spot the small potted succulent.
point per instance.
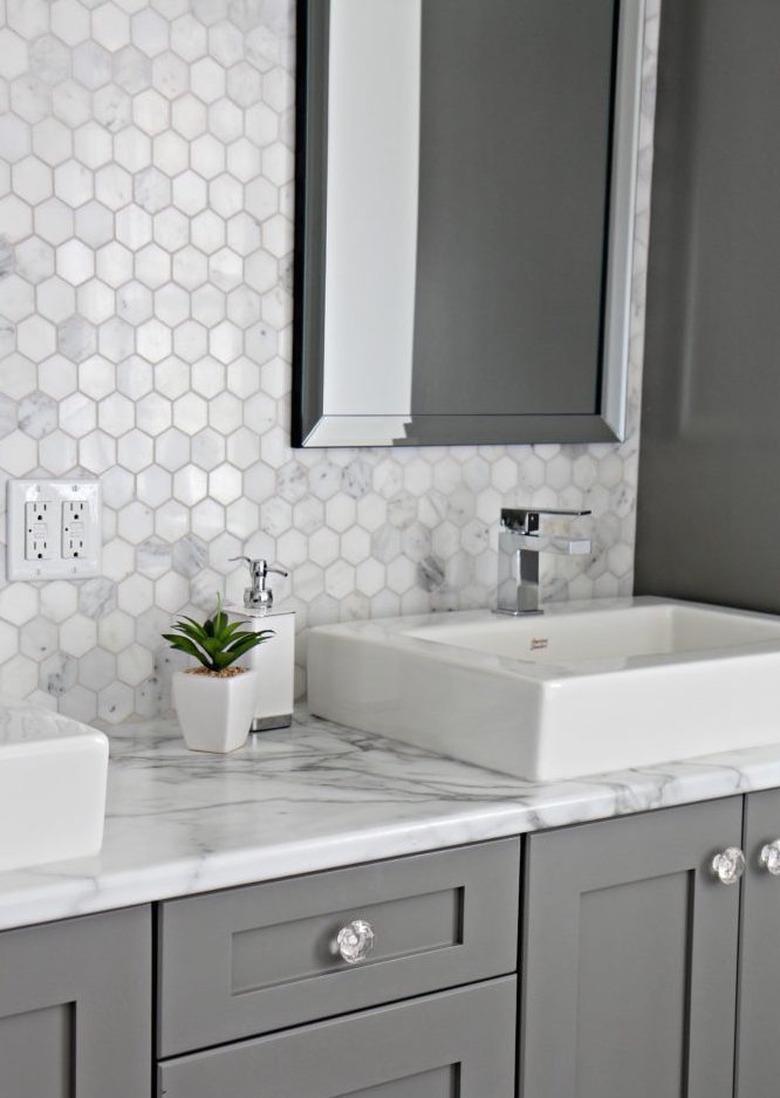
(216, 701)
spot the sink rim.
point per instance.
(399, 632)
(545, 723)
(31, 727)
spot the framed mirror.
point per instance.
(465, 192)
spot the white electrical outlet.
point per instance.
(74, 529)
(41, 530)
(52, 529)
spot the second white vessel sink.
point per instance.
(582, 689)
(53, 774)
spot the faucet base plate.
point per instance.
(519, 613)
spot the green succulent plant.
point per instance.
(217, 642)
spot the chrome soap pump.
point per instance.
(274, 661)
(259, 596)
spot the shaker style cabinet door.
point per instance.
(758, 1031)
(75, 1008)
(631, 943)
(457, 1044)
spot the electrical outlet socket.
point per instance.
(52, 529)
(41, 530)
(75, 517)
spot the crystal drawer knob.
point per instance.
(729, 865)
(355, 941)
(769, 858)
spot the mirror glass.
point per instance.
(464, 216)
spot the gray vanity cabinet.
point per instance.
(758, 1031)
(75, 1008)
(639, 964)
(630, 958)
(457, 1044)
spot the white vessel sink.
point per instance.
(52, 786)
(582, 689)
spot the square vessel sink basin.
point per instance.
(582, 689)
(53, 774)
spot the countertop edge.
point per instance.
(439, 802)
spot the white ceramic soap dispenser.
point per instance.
(274, 661)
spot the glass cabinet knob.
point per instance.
(729, 865)
(769, 858)
(355, 941)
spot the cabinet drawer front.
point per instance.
(251, 960)
(458, 1044)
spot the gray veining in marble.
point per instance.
(7, 257)
(317, 797)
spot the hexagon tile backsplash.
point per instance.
(146, 199)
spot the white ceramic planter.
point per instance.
(215, 713)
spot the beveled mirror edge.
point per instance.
(311, 136)
(309, 427)
(622, 221)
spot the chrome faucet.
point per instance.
(519, 546)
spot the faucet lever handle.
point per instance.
(526, 520)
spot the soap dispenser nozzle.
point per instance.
(259, 596)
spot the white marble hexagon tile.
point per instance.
(146, 195)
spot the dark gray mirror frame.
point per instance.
(313, 18)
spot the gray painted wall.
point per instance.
(709, 491)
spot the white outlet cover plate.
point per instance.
(20, 492)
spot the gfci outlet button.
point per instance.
(53, 529)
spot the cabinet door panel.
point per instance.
(631, 958)
(75, 1008)
(36, 1052)
(759, 994)
(457, 1044)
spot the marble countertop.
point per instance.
(315, 797)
